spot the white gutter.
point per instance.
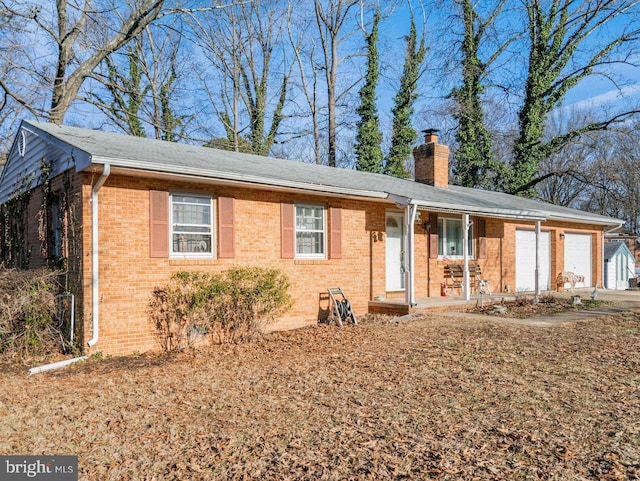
(95, 292)
(56, 365)
(462, 209)
(584, 219)
(123, 165)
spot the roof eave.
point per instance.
(81, 157)
(129, 167)
(585, 219)
(467, 209)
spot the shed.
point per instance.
(619, 265)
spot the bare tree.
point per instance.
(245, 45)
(140, 84)
(565, 174)
(11, 28)
(629, 152)
(603, 187)
(79, 36)
(567, 171)
(331, 17)
(615, 179)
(304, 47)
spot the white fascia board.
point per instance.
(12, 156)
(157, 170)
(466, 209)
(586, 219)
(82, 158)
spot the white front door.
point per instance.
(577, 256)
(526, 260)
(395, 251)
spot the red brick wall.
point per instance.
(431, 162)
(499, 265)
(128, 274)
(67, 188)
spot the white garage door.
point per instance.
(526, 260)
(577, 256)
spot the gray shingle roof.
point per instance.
(611, 248)
(182, 159)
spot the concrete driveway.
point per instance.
(621, 301)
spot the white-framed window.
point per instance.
(310, 231)
(191, 225)
(450, 238)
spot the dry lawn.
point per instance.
(427, 399)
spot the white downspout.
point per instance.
(537, 273)
(56, 365)
(465, 252)
(95, 292)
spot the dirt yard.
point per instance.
(433, 398)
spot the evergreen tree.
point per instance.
(369, 138)
(403, 135)
(475, 165)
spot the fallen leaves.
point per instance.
(431, 399)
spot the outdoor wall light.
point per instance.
(562, 235)
(426, 226)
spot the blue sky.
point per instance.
(590, 92)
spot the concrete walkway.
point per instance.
(620, 301)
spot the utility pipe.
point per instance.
(412, 257)
(95, 292)
(56, 365)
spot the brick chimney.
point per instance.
(431, 161)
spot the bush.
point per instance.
(177, 310)
(234, 306)
(28, 323)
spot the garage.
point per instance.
(577, 256)
(526, 260)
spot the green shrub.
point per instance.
(234, 306)
(179, 307)
(28, 307)
(252, 297)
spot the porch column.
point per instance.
(465, 251)
(538, 223)
(410, 217)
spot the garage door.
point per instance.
(577, 256)
(526, 260)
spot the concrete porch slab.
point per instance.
(627, 299)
